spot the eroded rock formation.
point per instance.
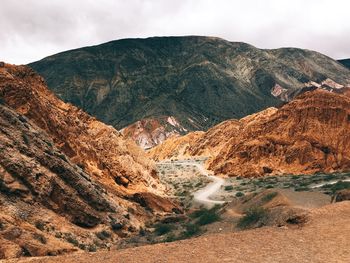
(308, 135)
(67, 181)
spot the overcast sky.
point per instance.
(33, 29)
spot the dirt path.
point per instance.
(331, 182)
(202, 196)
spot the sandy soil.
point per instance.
(325, 238)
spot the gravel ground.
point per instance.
(325, 238)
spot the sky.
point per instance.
(33, 29)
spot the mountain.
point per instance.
(345, 62)
(198, 81)
(307, 135)
(67, 181)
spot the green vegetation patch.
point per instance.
(162, 229)
(228, 188)
(206, 216)
(252, 217)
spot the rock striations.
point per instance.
(67, 181)
(307, 135)
(148, 133)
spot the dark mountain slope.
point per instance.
(345, 62)
(198, 80)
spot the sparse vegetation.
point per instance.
(340, 185)
(162, 229)
(92, 248)
(72, 240)
(40, 225)
(25, 139)
(252, 217)
(206, 216)
(239, 194)
(103, 235)
(228, 188)
(268, 197)
(191, 230)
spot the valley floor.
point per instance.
(324, 238)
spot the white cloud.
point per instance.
(32, 29)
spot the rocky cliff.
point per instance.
(200, 81)
(308, 135)
(67, 181)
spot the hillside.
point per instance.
(199, 81)
(65, 177)
(324, 238)
(307, 135)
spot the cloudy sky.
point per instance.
(33, 29)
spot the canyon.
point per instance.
(212, 149)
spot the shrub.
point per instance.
(92, 248)
(82, 246)
(329, 177)
(40, 225)
(252, 217)
(73, 241)
(206, 216)
(191, 230)
(340, 185)
(268, 197)
(103, 235)
(303, 188)
(171, 237)
(162, 229)
(25, 139)
(116, 226)
(228, 187)
(239, 194)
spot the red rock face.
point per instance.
(307, 135)
(64, 176)
(98, 148)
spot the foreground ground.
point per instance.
(324, 238)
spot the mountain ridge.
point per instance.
(200, 81)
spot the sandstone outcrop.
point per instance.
(67, 181)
